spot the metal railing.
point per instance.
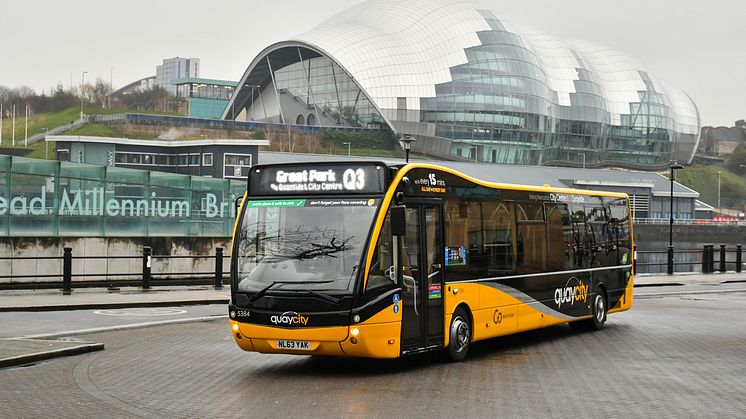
(146, 279)
(690, 260)
(222, 124)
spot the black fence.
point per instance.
(145, 279)
(708, 259)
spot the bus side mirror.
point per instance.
(398, 220)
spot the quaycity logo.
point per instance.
(289, 318)
(571, 293)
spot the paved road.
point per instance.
(18, 324)
(674, 356)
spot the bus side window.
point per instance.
(464, 230)
(619, 212)
(532, 240)
(579, 245)
(500, 254)
(559, 238)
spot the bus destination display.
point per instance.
(318, 179)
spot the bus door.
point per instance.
(422, 275)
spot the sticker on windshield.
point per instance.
(340, 202)
(276, 203)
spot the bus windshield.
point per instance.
(302, 244)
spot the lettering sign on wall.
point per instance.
(97, 202)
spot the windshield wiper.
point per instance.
(264, 290)
(321, 295)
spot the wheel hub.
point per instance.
(600, 309)
(460, 334)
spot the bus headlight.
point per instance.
(355, 331)
(235, 327)
(233, 314)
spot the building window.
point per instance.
(133, 158)
(194, 159)
(236, 165)
(207, 159)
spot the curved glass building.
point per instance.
(468, 85)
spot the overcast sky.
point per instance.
(698, 46)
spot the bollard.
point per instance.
(67, 271)
(670, 260)
(218, 268)
(738, 258)
(710, 258)
(704, 259)
(147, 254)
(722, 258)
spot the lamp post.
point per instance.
(406, 143)
(719, 172)
(674, 166)
(46, 144)
(348, 148)
(111, 87)
(82, 83)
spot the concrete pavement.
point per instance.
(24, 351)
(93, 298)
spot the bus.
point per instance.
(370, 259)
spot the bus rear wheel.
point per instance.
(460, 336)
(598, 313)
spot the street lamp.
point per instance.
(719, 172)
(406, 143)
(82, 82)
(674, 166)
(348, 148)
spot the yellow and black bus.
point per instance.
(383, 260)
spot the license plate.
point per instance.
(302, 345)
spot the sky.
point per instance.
(694, 45)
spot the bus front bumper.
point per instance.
(362, 340)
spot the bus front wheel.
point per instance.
(460, 335)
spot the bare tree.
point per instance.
(100, 91)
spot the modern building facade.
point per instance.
(175, 68)
(469, 85)
(204, 98)
(226, 159)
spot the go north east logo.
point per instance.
(570, 294)
(289, 318)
